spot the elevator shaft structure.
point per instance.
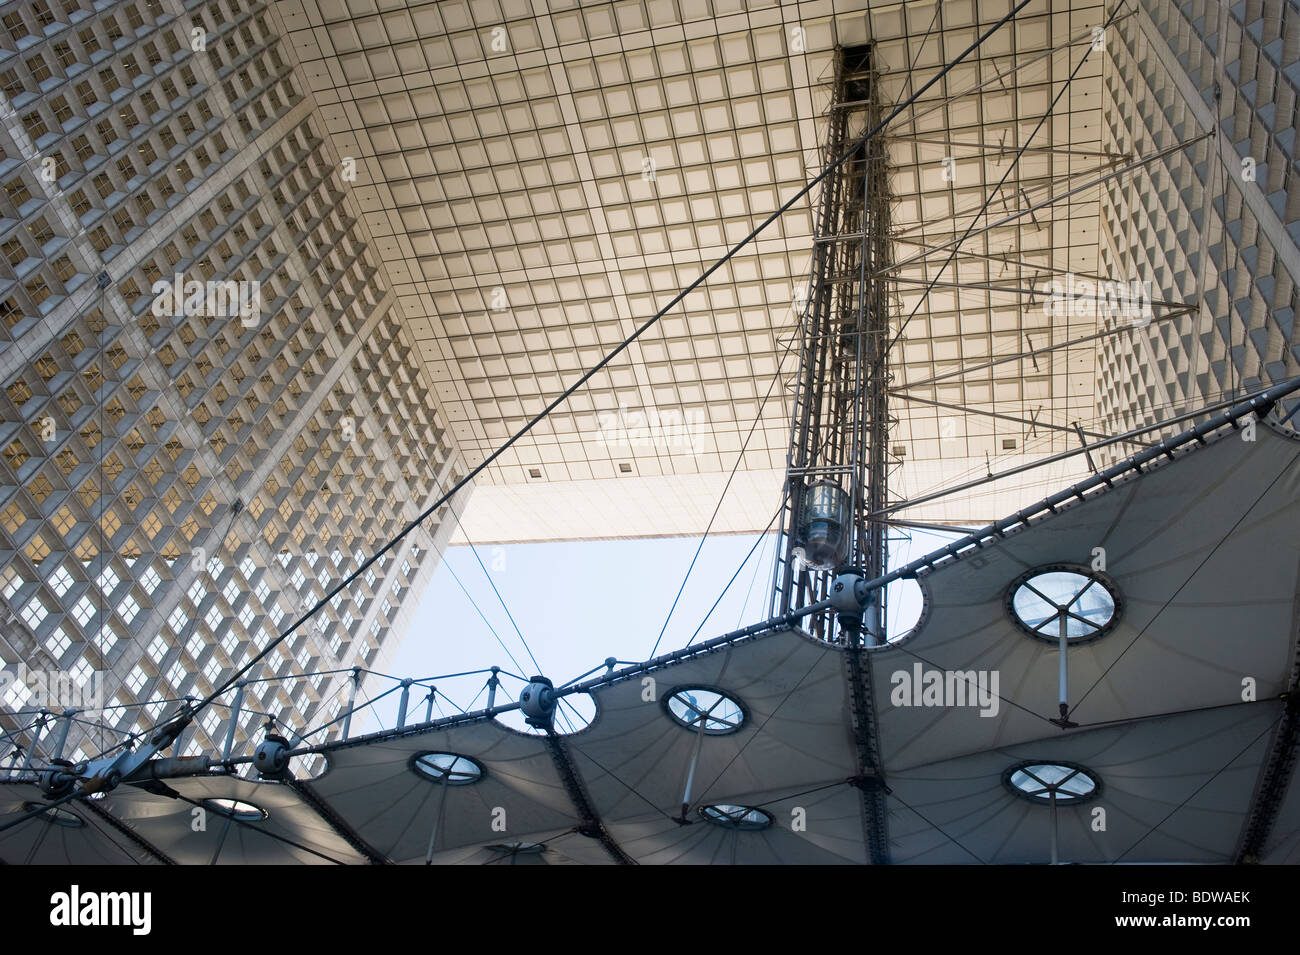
(837, 466)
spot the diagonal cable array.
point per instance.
(609, 357)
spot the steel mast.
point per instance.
(837, 466)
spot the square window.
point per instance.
(57, 643)
(84, 611)
(176, 675)
(34, 612)
(17, 695)
(82, 671)
(150, 581)
(105, 641)
(60, 581)
(136, 679)
(128, 608)
(210, 722)
(13, 581)
(108, 581)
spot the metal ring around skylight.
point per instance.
(743, 818)
(450, 768)
(235, 809)
(1084, 602)
(1038, 780)
(717, 711)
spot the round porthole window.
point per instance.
(236, 809)
(736, 817)
(1037, 782)
(450, 768)
(699, 707)
(1053, 601)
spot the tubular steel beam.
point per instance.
(131, 834)
(336, 822)
(591, 826)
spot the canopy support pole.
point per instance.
(695, 758)
(1055, 850)
(1063, 671)
(64, 727)
(236, 710)
(437, 820)
(401, 706)
(36, 738)
(352, 702)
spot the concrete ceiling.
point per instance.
(540, 177)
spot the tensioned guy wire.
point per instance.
(595, 369)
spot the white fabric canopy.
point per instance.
(1204, 553)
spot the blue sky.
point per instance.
(577, 603)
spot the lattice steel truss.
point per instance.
(840, 423)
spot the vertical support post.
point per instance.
(1062, 668)
(437, 821)
(184, 736)
(428, 711)
(1055, 855)
(236, 710)
(695, 758)
(401, 706)
(493, 683)
(839, 425)
(64, 728)
(13, 759)
(352, 702)
(41, 723)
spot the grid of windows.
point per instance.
(142, 434)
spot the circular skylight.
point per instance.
(693, 706)
(519, 848)
(453, 769)
(236, 809)
(1038, 781)
(736, 817)
(1052, 601)
(56, 816)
